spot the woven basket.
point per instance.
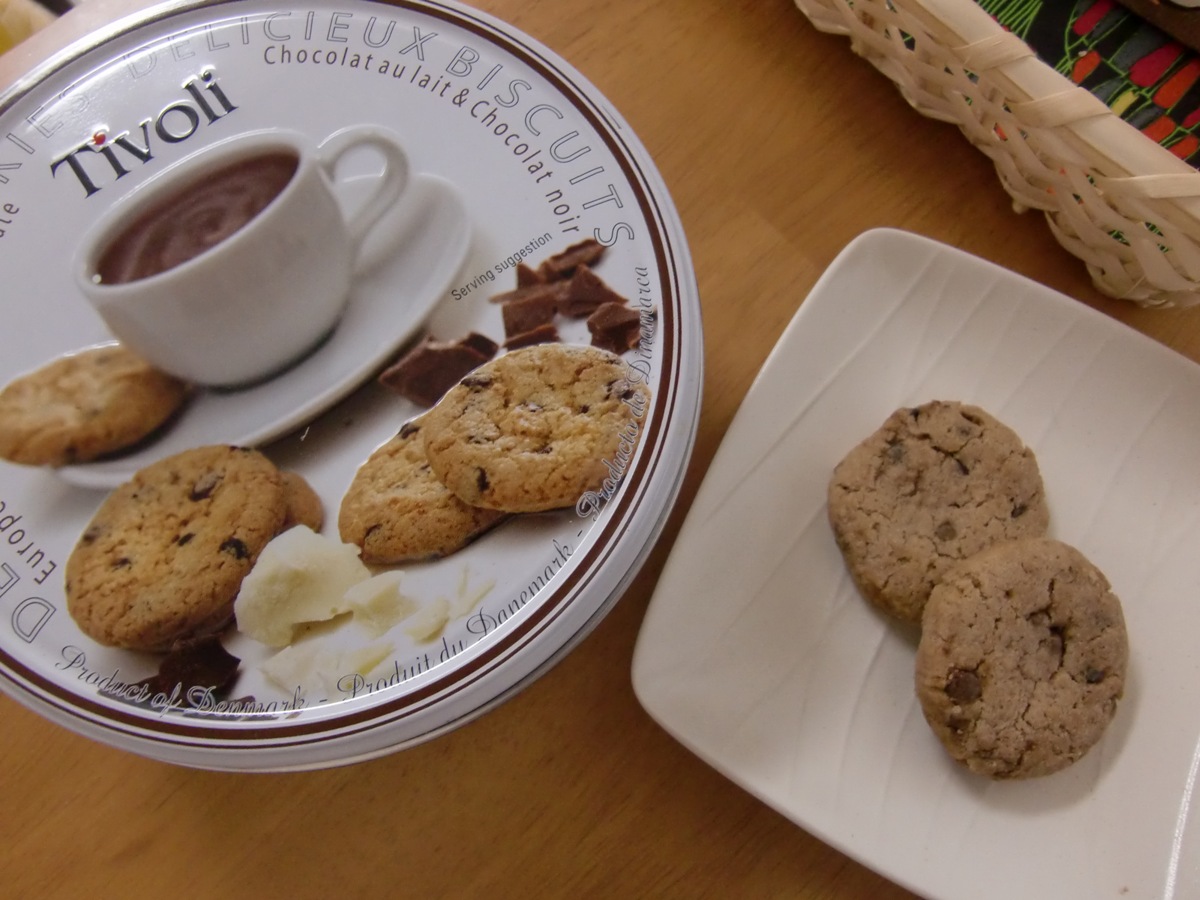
(1126, 206)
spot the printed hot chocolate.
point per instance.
(236, 262)
(196, 218)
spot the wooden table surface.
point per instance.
(779, 146)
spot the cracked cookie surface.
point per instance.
(932, 486)
(536, 428)
(396, 510)
(84, 405)
(164, 556)
(1022, 659)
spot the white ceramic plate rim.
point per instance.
(765, 662)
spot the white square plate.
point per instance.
(758, 654)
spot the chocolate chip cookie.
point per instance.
(85, 405)
(163, 557)
(304, 506)
(1022, 658)
(537, 428)
(932, 486)
(396, 510)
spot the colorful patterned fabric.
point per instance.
(1145, 76)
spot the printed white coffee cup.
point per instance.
(267, 294)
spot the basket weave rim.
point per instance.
(962, 26)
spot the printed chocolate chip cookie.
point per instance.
(536, 428)
(304, 506)
(397, 510)
(932, 486)
(85, 405)
(163, 557)
(1022, 658)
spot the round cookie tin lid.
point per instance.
(513, 158)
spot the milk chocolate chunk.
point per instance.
(563, 265)
(615, 327)
(542, 334)
(963, 686)
(205, 485)
(200, 663)
(527, 275)
(528, 313)
(587, 293)
(557, 290)
(481, 343)
(432, 367)
(478, 382)
(236, 548)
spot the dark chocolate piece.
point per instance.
(527, 276)
(432, 367)
(529, 313)
(200, 663)
(615, 327)
(481, 343)
(543, 334)
(557, 290)
(563, 265)
(587, 293)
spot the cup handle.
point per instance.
(392, 181)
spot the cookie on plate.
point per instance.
(85, 405)
(164, 556)
(932, 486)
(396, 510)
(537, 428)
(1022, 658)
